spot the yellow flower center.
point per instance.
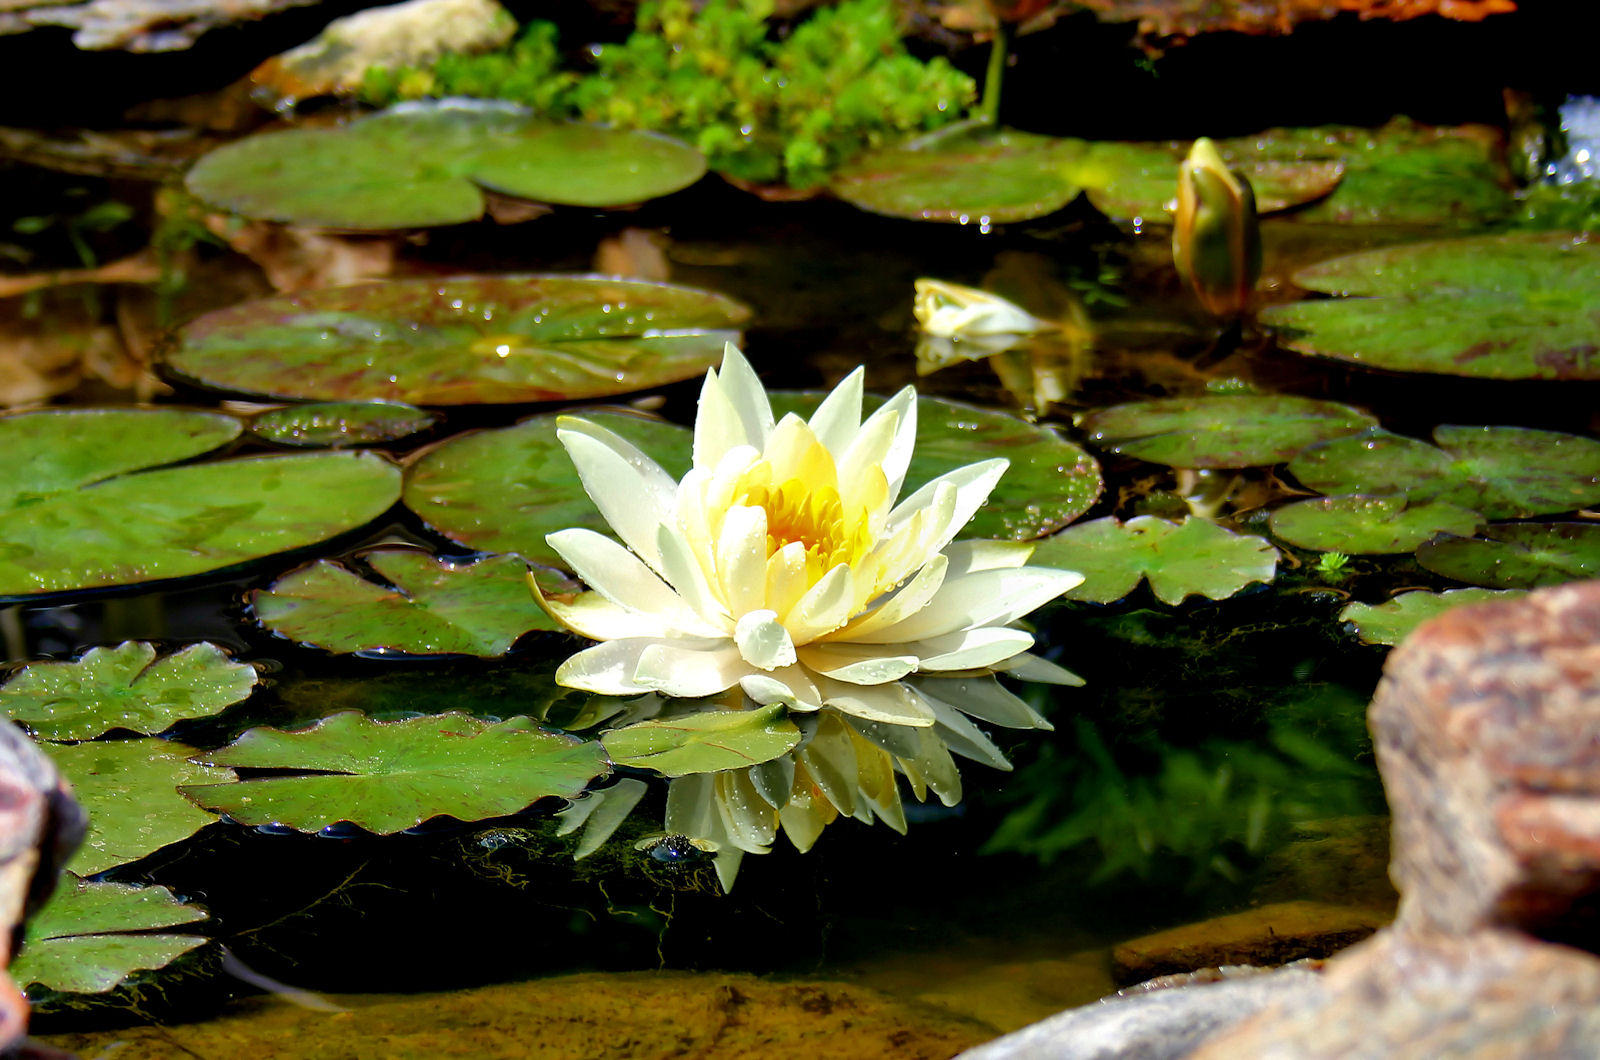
(811, 515)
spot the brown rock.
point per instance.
(1273, 934)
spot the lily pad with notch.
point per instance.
(337, 424)
(421, 606)
(467, 340)
(130, 790)
(420, 165)
(1220, 431)
(176, 522)
(1517, 555)
(1515, 306)
(1393, 620)
(1501, 472)
(125, 687)
(91, 936)
(386, 776)
(1369, 525)
(703, 741)
(1194, 557)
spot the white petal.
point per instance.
(690, 810)
(742, 558)
(972, 649)
(592, 615)
(984, 598)
(858, 664)
(750, 822)
(717, 426)
(866, 454)
(620, 577)
(968, 556)
(982, 697)
(683, 572)
(804, 819)
(743, 387)
(904, 405)
(830, 759)
(606, 668)
(689, 668)
(763, 642)
(838, 418)
(633, 493)
(824, 608)
(1028, 667)
(910, 598)
(973, 484)
(893, 703)
(790, 686)
(786, 577)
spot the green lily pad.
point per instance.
(336, 424)
(91, 936)
(130, 790)
(1517, 555)
(62, 450)
(1217, 431)
(978, 176)
(1050, 481)
(1129, 181)
(469, 340)
(180, 521)
(386, 776)
(705, 742)
(1502, 472)
(1516, 306)
(1180, 559)
(504, 490)
(1369, 526)
(412, 167)
(125, 687)
(428, 606)
(1392, 621)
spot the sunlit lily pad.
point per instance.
(1367, 525)
(130, 789)
(504, 490)
(180, 521)
(91, 936)
(428, 606)
(386, 776)
(1392, 621)
(469, 340)
(1516, 306)
(336, 424)
(973, 176)
(125, 687)
(1129, 180)
(1050, 481)
(1517, 555)
(1220, 430)
(417, 166)
(1501, 472)
(1180, 559)
(705, 742)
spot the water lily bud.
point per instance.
(1216, 238)
(951, 311)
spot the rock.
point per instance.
(40, 827)
(414, 33)
(136, 25)
(1271, 935)
(1158, 1024)
(633, 1014)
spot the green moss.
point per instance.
(1571, 207)
(762, 110)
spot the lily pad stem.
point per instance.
(989, 109)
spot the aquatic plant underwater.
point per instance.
(806, 600)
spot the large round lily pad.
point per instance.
(424, 606)
(91, 936)
(130, 789)
(1219, 431)
(386, 776)
(469, 340)
(1516, 306)
(336, 424)
(703, 742)
(180, 521)
(1393, 620)
(504, 490)
(1367, 525)
(125, 687)
(411, 167)
(1050, 482)
(1517, 555)
(1179, 559)
(1501, 472)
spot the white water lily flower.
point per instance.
(784, 564)
(951, 311)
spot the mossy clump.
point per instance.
(763, 109)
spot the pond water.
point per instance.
(1214, 762)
